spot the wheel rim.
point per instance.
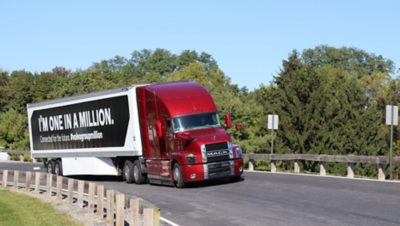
(177, 175)
(49, 168)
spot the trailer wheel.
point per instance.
(178, 179)
(128, 172)
(137, 173)
(58, 168)
(50, 166)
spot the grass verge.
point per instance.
(17, 209)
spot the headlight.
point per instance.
(191, 159)
(204, 153)
(230, 148)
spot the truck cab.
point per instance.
(182, 136)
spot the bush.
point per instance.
(27, 158)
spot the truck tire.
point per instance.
(177, 174)
(58, 168)
(128, 172)
(50, 167)
(137, 173)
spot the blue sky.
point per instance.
(249, 39)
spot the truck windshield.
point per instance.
(197, 121)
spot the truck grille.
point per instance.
(217, 152)
(219, 169)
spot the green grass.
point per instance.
(17, 209)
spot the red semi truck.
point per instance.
(167, 133)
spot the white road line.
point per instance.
(168, 221)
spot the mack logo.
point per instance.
(217, 153)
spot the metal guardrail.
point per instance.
(380, 161)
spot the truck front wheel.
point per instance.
(178, 179)
(128, 172)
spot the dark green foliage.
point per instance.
(357, 61)
(4, 90)
(14, 130)
(323, 108)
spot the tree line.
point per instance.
(329, 100)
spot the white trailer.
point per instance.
(88, 134)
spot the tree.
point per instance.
(21, 90)
(4, 90)
(356, 61)
(14, 130)
(324, 110)
(160, 61)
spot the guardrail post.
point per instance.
(59, 188)
(21, 158)
(49, 184)
(135, 207)
(5, 178)
(16, 179)
(92, 187)
(296, 167)
(350, 170)
(251, 165)
(273, 166)
(70, 191)
(151, 217)
(28, 178)
(81, 188)
(37, 182)
(100, 198)
(322, 171)
(110, 207)
(381, 172)
(120, 209)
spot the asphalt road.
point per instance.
(268, 199)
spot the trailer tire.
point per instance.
(50, 167)
(58, 168)
(178, 178)
(128, 172)
(138, 173)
